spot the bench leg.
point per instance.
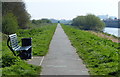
(26, 54)
(23, 55)
(29, 53)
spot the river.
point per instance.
(113, 31)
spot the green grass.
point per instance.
(41, 38)
(21, 68)
(13, 65)
(100, 55)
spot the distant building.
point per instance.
(104, 17)
(112, 23)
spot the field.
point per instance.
(99, 55)
(41, 37)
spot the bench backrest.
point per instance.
(13, 41)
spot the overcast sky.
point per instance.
(69, 9)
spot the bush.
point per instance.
(89, 22)
(94, 23)
(9, 24)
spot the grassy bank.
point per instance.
(100, 55)
(12, 65)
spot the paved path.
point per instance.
(62, 58)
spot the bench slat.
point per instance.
(14, 41)
(14, 44)
(23, 48)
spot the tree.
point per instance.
(94, 23)
(9, 24)
(88, 22)
(79, 21)
(19, 10)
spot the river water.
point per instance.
(113, 31)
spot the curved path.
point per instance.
(62, 58)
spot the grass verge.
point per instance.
(100, 55)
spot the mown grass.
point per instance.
(13, 65)
(100, 55)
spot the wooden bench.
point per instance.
(12, 43)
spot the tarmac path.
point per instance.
(62, 58)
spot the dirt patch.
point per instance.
(105, 36)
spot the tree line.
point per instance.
(41, 21)
(88, 22)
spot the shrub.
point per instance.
(88, 22)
